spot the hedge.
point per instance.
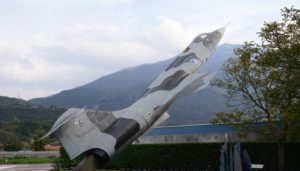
(167, 156)
(196, 156)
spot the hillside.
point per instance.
(20, 119)
(118, 90)
(12, 109)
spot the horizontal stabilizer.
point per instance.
(64, 118)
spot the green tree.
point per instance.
(39, 145)
(12, 143)
(262, 81)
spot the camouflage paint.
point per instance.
(104, 133)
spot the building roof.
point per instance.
(50, 147)
(191, 129)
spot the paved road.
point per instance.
(26, 167)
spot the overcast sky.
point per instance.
(47, 46)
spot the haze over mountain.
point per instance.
(118, 90)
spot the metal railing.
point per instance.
(9, 154)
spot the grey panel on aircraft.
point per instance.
(169, 83)
(102, 120)
(182, 59)
(123, 129)
(186, 90)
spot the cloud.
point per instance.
(50, 45)
(85, 52)
(111, 47)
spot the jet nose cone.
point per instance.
(211, 40)
(222, 29)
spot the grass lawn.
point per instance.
(27, 160)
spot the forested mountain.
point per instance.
(118, 90)
(20, 119)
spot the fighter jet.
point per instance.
(100, 134)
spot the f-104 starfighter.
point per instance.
(100, 134)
